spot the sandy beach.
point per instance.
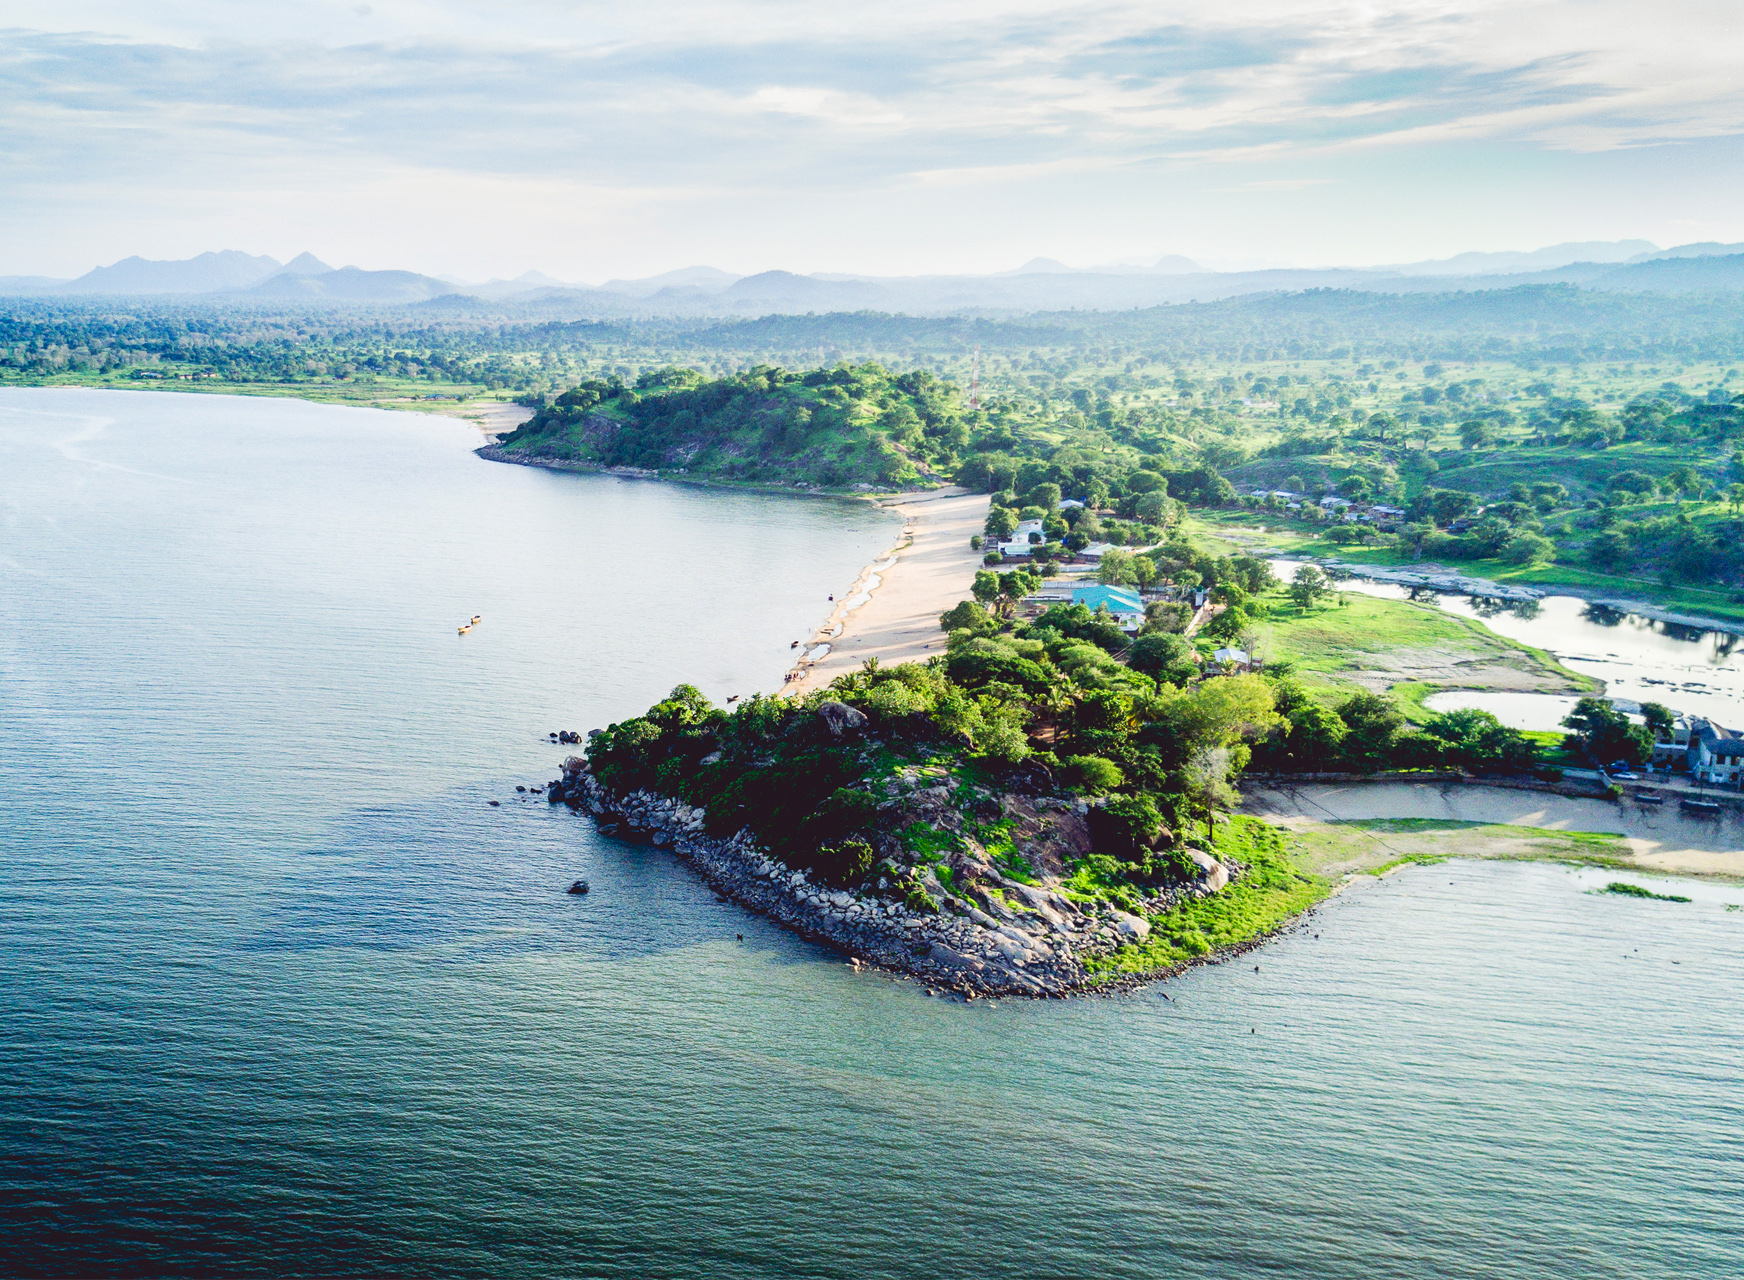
(892, 611)
(494, 417)
(1656, 839)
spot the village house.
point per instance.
(1121, 602)
(1716, 755)
(1029, 533)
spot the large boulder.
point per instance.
(841, 719)
(1213, 875)
(1131, 926)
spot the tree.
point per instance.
(1658, 719)
(1605, 733)
(1164, 655)
(1528, 548)
(966, 615)
(1017, 584)
(1144, 571)
(1152, 508)
(1167, 616)
(1126, 827)
(1735, 497)
(1309, 586)
(1476, 434)
(1094, 774)
(1001, 523)
(1609, 550)
(1116, 569)
(1373, 723)
(986, 587)
(1475, 739)
(1207, 777)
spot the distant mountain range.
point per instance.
(1041, 284)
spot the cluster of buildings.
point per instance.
(1704, 750)
(1029, 535)
(1380, 515)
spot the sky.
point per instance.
(592, 140)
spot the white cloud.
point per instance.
(793, 103)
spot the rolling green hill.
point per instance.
(845, 427)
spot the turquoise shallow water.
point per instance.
(281, 994)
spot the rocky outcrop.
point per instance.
(996, 937)
(841, 719)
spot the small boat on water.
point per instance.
(477, 618)
(1701, 806)
(465, 627)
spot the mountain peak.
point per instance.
(306, 264)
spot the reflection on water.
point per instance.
(1640, 659)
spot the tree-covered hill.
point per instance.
(860, 426)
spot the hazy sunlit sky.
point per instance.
(593, 140)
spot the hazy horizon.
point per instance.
(591, 143)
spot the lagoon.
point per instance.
(282, 994)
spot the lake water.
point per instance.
(1688, 669)
(281, 994)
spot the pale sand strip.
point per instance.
(493, 417)
(1661, 839)
(896, 619)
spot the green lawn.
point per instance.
(1397, 642)
(1376, 845)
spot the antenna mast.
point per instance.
(975, 382)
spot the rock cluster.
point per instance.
(1008, 938)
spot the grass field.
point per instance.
(1379, 844)
(1380, 643)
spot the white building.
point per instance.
(1716, 755)
(1029, 533)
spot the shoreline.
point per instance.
(1429, 574)
(967, 956)
(490, 452)
(891, 613)
(1525, 823)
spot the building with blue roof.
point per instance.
(1122, 602)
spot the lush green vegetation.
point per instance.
(1536, 435)
(1377, 845)
(1627, 890)
(861, 426)
(1271, 893)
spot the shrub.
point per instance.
(1093, 773)
(844, 863)
(1126, 826)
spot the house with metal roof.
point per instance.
(1122, 602)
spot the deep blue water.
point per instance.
(281, 994)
